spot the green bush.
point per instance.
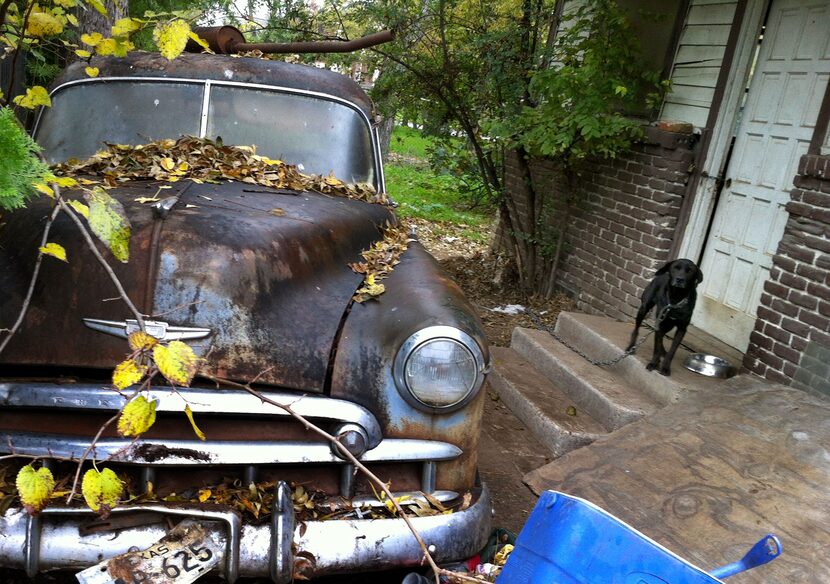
(19, 165)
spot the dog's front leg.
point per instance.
(641, 315)
(659, 350)
(678, 338)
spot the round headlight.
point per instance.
(439, 368)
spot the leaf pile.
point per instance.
(256, 500)
(204, 160)
(380, 260)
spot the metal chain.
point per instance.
(600, 362)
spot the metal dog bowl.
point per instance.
(709, 365)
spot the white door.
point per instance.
(774, 132)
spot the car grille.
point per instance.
(248, 440)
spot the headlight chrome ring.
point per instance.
(439, 369)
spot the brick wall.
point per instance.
(624, 225)
(791, 340)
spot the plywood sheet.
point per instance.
(712, 474)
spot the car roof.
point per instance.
(224, 68)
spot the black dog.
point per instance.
(673, 292)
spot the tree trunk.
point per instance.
(90, 20)
(560, 235)
(385, 135)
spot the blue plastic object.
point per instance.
(568, 540)
(762, 552)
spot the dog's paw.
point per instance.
(652, 366)
(665, 371)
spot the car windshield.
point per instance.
(320, 135)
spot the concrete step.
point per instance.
(603, 338)
(602, 394)
(541, 407)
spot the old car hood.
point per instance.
(266, 270)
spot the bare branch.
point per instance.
(26, 301)
(94, 248)
(86, 452)
(359, 465)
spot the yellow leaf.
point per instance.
(137, 417)
(79, 207)
(83, 53)
(109, 222)
(141, 341)
(176, 362)
(67, 3)
(35, 96)
(34, 487)
(106, 47)
(55, 250)
(98, 6)
(167, 163)
(189, 413)
(101, 490)
(204, 495)
(72, 20)
(201, 42)
(43, 24)
(45, 189)
(91, 71)
(124, 27)
(126, 374)
(66, 182)
(93, 40)
(171, 37)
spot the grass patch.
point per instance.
(421, 193)
(409, 142)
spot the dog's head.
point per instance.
(682, 273)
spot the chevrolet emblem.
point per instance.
(156, 328)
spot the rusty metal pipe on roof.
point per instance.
(228, 39)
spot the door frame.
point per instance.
(696, 216)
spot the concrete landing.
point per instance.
(603, 338)
(566, 401)
(711, 474)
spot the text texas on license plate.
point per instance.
(186, 553)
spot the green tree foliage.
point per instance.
(454, 64)
(579, 110)
(19, 165)
(580, 106)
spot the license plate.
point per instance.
(186, 553)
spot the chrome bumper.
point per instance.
(52, 540)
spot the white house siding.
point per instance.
(698, 61)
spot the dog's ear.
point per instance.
(664, 269)
(699, 276)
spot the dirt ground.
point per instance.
(486, 280)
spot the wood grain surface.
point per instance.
(712, 474)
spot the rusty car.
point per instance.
(268, 300)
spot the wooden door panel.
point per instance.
(775, 129)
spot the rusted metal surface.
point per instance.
(220, 39)
(241, 69)
(273, 287)
(418, 294)
(228, 39)
(365, 42)
(52, 333)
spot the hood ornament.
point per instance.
(156, 328)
